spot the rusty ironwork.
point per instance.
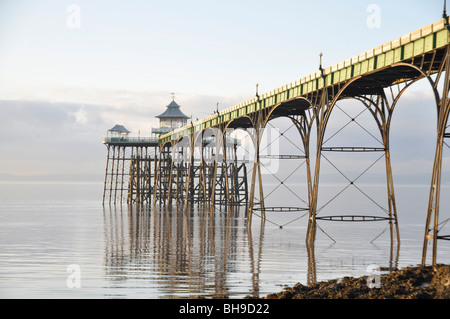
(189, 167)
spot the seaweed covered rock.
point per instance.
(408, 283)
(441, 282)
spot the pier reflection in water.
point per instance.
(176, 254)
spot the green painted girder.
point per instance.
(131, 141)
(407, 47)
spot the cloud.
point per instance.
(42, 137)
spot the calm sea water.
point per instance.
(58, 241)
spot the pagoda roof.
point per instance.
(119, 128)
(173, 111)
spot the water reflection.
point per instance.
(192, 254)
(185, 254)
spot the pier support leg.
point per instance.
(106, 174)
(256, 173)
(432, 220)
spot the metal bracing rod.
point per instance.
(155, 168)
(166, 177)
(184, 166)
(172, 175)
(254, 172)
(106, 174)
(147, 177)
(157, 181)
(197, 178)
(143, 174)
(222, 188)
(130, 183)
(353, 120)
(150, 175)
(214, 178)
(143, 169)
(245, 186)
(177, 176)
(282, 182)
(261, 191)
(203, 175)
(362, 127)
(112, 174)
(195, 171)
(170, 179)
(278, 137)
(188, 178)
(139, 180)
(117, 174)
(123, 173)
(352, 183)
(225, 168)
(208, 170)
(163, 171)
(138, 174)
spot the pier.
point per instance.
(195, 163)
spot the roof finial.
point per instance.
(320, 64)
(173, 96)
(320, 56)
(257, 94)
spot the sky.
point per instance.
(70, 70)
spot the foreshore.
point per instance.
(408, 283)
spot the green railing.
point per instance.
(130, 140)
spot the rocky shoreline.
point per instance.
(408, 283)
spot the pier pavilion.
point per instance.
(140, 170)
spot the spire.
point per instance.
(173, 103)
(444, 14)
